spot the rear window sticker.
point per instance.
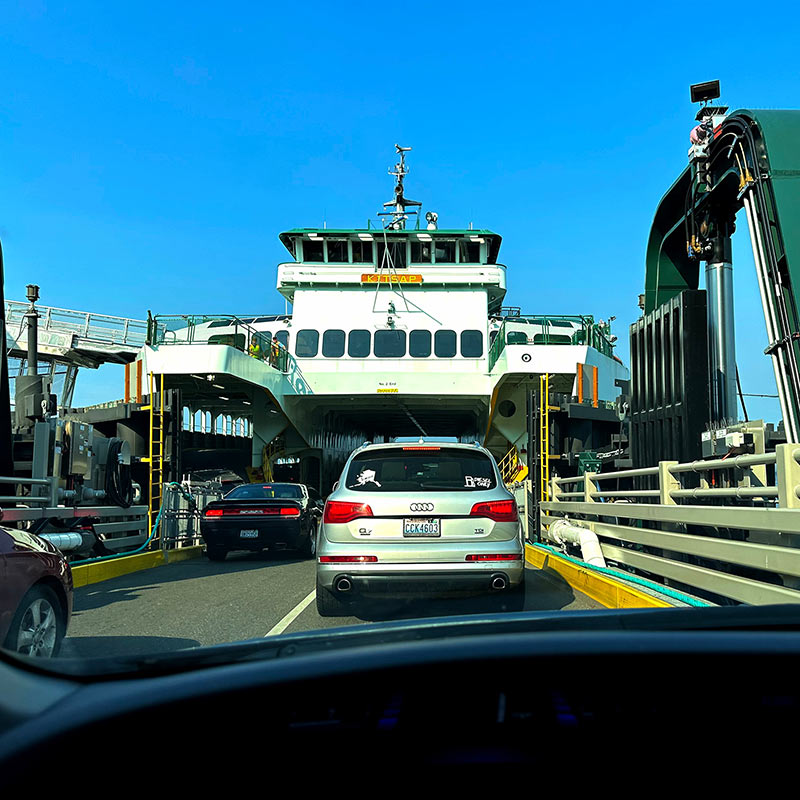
(470, 482)
(366, 476)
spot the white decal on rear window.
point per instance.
(366, 476)
(471, 482)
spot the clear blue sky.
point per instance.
(151, 153)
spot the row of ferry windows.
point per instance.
(345, 251)
(389, 344)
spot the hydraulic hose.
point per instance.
(119, 487)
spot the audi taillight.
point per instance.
(337, 511)
(497, 510)
(212, 512)
(494, 557)
(348, 559)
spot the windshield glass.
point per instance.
(280, 490)
(269, 368)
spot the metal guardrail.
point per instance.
(590, 333)
(739, 541)
(101, 328)
(230, 330)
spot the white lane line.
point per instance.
(291, 616)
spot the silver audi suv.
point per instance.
(418, 518)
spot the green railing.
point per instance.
(554, 330)
(222, 330)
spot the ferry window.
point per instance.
(358, 344)
(444, 344)
(471, 344)
(390, 344)
(337, 251)
(397, 251)
(362, 252)
(419, 344)
(469, 252)
(551, 338)
(421, 252)
(333, 344)
(445, 251)
(307, 343)
(283, 338)
(312, 250)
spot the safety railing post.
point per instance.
(589, 487)
(787, 475)
(667, 483)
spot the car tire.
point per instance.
(40, 620)
(329, 605)
(309, 547)
(216, 553)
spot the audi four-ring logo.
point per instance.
(421, 506)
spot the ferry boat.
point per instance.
(400, 329)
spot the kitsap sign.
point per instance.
(372, 277)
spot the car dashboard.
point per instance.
(547, 700)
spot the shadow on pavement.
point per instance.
(95, 646)
(131, 586)
(544, 591)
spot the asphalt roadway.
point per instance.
(249, 595)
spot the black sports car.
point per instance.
(258, 515)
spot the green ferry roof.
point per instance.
(493, 239)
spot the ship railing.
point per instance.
(220, 330)
(732, 538)
(103, 328)
(552, 331)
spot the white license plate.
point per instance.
(422, 527)
(249, 534)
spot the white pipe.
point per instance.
(562, 531)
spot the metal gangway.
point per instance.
(70, 339)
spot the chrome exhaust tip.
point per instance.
(344, 585)
(499, 582)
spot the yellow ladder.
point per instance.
(155, 458)
(544, 436)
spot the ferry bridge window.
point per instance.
(469, 252)
(313, 250)
(358, 344)
(390, 344)
(333, 344)
(362, 252)
(421, 252)
(419, 344)
(471, 344)
(397, 251)
(444, 344)
(307, 343)
(337, 251)
(445, 250)
(283, 338)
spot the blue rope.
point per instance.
(684, 598)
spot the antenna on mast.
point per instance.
(400, 203)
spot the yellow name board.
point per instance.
(371, 277)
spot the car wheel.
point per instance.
(309, 547)
(216, 553)
(329, 605)
(38, 626)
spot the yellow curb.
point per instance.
(603, 589)
(86, 574)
